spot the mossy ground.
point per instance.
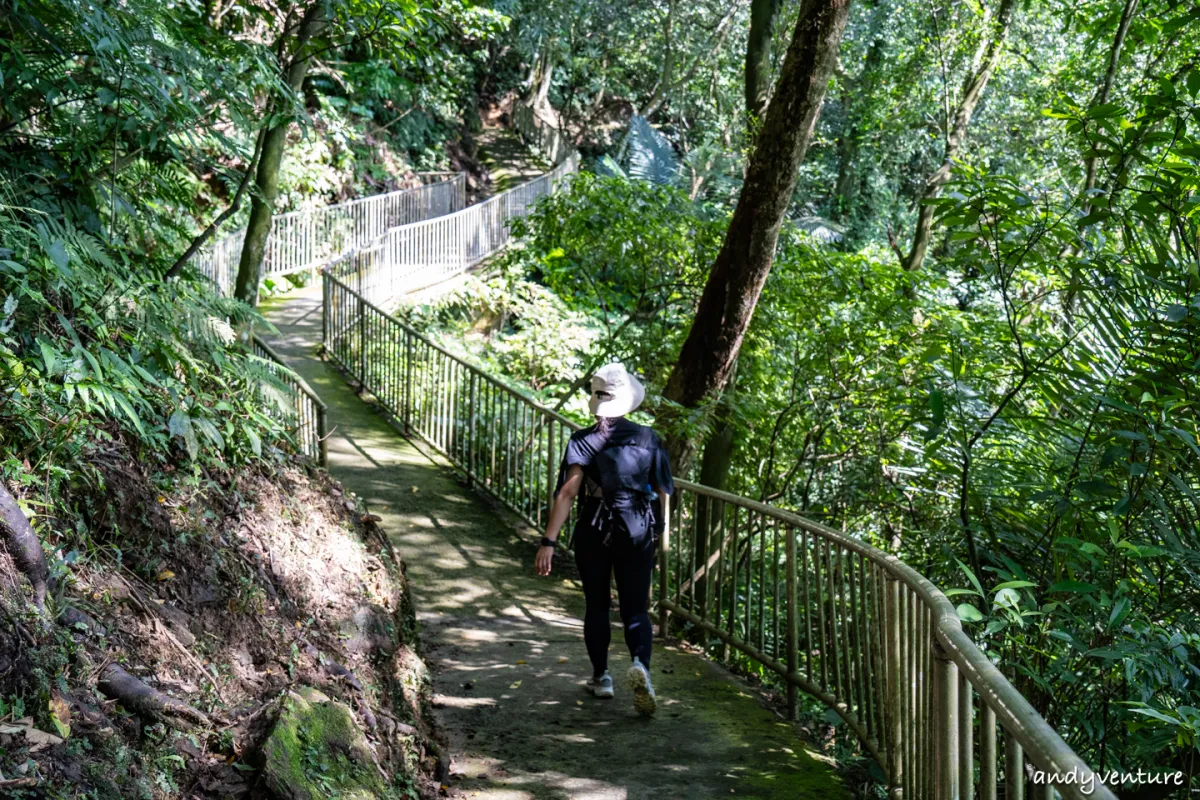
(316, 750)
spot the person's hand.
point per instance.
(545, 555)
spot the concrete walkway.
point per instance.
(506, 647)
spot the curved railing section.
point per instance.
(309, 238)
(412, 257)
(830, 615)
(299, 408)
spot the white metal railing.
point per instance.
(308, 238)
(421, 254)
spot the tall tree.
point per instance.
(295, 50)
(758, 56)
(726, 306)
(987, 55)
(858, 94)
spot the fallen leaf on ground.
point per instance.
(521, 661)
(166, 575)
(516, 685)
(60, 714)
(36, 739)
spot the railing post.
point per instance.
(325, 293)
(966, 744)
(362, 344)
(895, 765)
(1014, 768)
(322, 434)
(551, 472)
(945, 687)
(793, 645)
(664, 550)
(471, 399)
(408, 382)
(987, 751)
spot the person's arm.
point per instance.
(558, 516)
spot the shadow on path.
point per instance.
(505, 647)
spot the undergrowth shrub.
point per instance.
(95, 358)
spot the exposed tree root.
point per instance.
(135, 695)
(23, 545)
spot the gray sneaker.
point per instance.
(643, 692)
(602, 686)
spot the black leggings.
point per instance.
(632, 563)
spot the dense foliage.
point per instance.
(1017, 418)
(126, 132)
(1014, 415)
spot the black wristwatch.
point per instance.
(548, 542)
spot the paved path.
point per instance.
(506, 648)
(507, 159)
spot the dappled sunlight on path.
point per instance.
(506, 647)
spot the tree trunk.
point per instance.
(266, 179)
(1091, 163)
(667, 81)
(546, 74)
(1105, 90)
(741, 268)
(863, 87)
(758, 56)
(23, 545)
(977, 79)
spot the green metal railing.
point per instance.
(300, 409)
(830, 615)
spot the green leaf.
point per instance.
(1073, 586)
(1106, 653)
(968, 613)
(47, 355)
(1008, 598)
(971, 577)
(130, 414)
(58, 256)
(1193, 83)
(1120, 611)
(1013, 585)
(937, 412)
(210, 432)
(255, 442)
(180, 424)
(1158, 715)
(1105, 111)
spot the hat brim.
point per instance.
(622, 405)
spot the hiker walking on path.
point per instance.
(621, 474)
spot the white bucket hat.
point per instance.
(615, 392)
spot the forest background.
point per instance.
(977, 345)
